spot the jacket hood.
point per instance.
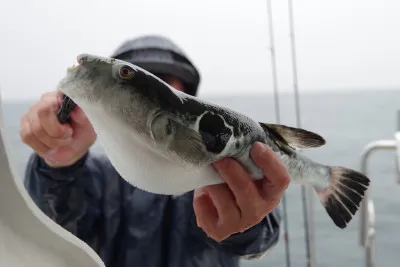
(160, 55)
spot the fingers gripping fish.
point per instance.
(163, 141)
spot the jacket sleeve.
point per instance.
(252, 243)
(255, 241)
(73, 197)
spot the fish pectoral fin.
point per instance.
(180, 139)
(190, 145)
(294, 137)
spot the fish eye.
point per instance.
(126, 72)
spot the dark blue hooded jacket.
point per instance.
(129, 227)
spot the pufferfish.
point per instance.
(164, 141)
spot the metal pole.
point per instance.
(367, 212)
(307, 196)
(397, 138)
(277, 118)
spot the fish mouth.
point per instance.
(73, 68)
(84, 59)
(89, 58)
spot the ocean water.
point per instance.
(348, 121)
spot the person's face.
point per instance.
(173, 81)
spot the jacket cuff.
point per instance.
(255, 241)
(60, 173)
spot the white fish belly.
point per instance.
(140, 165)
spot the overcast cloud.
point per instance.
(341, 44)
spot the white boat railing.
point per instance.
(367, 211)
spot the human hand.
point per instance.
(224, 209)
(58, 144)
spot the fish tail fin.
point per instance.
(342, 197)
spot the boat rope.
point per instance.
(277, 119)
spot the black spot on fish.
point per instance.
(214, 133)
(237, 145)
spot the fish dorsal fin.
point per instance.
(294, 137)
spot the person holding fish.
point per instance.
(214, 225)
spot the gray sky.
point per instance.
(341, 44)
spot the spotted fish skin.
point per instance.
(163, 140)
